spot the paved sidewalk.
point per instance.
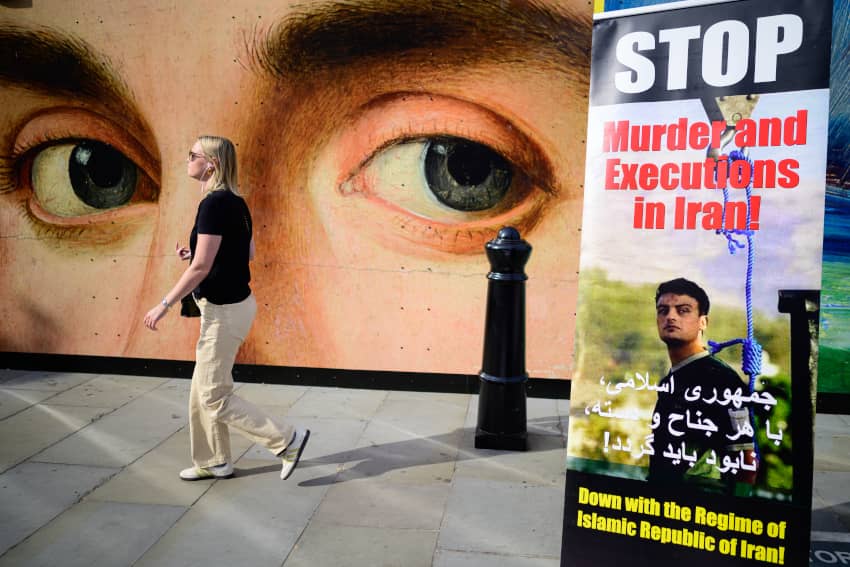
(88, 476)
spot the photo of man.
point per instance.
(700, 434)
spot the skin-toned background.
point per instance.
(331, 108)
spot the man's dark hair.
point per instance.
(681, 286)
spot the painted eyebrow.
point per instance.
(47, 61)
(446, 32)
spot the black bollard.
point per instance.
(501, 396)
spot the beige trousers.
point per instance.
(213, 408)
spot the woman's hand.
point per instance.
(155, 315)
(183, 252)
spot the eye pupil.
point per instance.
(465, 175)
(469, 164)
(100, 175)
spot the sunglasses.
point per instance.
(193, 156)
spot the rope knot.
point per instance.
(751, 360)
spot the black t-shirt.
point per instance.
(226, 214)
(700, 418)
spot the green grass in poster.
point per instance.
(617, 338)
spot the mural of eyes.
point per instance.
(81, 171)
(82, 178)
(445, 172)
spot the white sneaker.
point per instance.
(293, 452)
(198, 473)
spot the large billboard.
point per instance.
(381, 144)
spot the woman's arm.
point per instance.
(205, 251)
(252, 250)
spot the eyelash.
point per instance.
(44, 230)
(411, 135)
(16, 173)
(8, 175)
(414, 131)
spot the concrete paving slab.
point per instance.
(832, 488)
(501, 517)
(349, 546)
(551, 425)
(428, 398)
(32, 494)
(330, 446)
(543, 416)
(824, 518)
(404, 470)
(829, 424)
(540, 407)
(380, 504)
(8, 374)
(49, 381)
(154, 479)
(543, 464)
(108, 391)
(828, 520)
(464, 559)
(414, 418)
(471, 420)
(331, 441)
(400, 455)
(271, 395)
(124, 435)
(13, 401)
(251, 519)
(95, 534)
(333, 402)
(181, 385)
(832, 451)
(34, 429)
(445, 437)
(412, 455)
(547, 417)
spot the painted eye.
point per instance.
(432, 173)
(83, 178)
(464, 175)
(441, 178)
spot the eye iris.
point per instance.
(100, 175)
(464, 175)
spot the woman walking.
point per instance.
(220, 248)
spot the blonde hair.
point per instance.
(222, 153)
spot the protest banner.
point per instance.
(706, 156)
